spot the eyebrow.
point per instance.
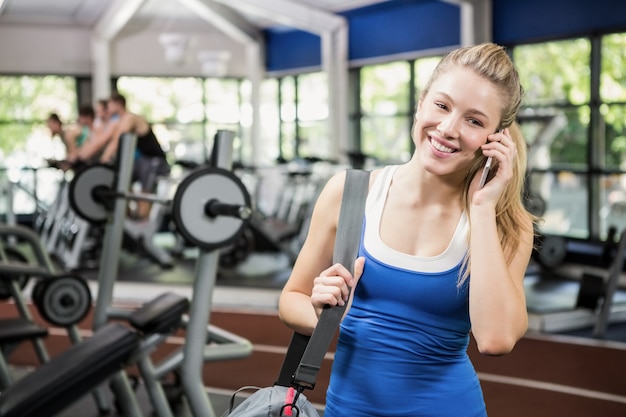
(470, 111)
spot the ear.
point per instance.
(417, 109)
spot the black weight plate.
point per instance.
(239, 250)
(65, 300)
(38, 290)
(552, 251)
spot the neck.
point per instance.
(428, 188)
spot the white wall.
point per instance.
(56, 49)
(30, 49)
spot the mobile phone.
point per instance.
(483, 177)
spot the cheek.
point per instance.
(474, 141)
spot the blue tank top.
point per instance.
(402, 348)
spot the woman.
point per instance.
(438, 255)
(74, 136)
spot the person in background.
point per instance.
(102, 116)
(150, 160)
(104, 128)
(439, 256)
(76, 135)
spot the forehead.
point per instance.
(465, 87)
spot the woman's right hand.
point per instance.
(332, 286)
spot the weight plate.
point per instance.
(64, 300)
(38, 290)
(239, 250)
(82, 196)
(13, 255)
(191, 197)
(552, 251)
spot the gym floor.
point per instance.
(547, 375)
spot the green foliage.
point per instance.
(28, 100)
(555, 72)
(558, 74)
(384, 89)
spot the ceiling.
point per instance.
(88, 12)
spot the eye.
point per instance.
(476, 122)
(441, 105)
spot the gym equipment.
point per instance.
(70, 306)
(594, 305)
(552, 251)
(12, 255)
(610, 287)
(220, 214)
(210, 208)
(66, 236)
(73, 373)
(13, 332)
(142, 232)
(281, 224)
(86, 365)
(63, 300)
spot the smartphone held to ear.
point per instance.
(487, 167)
(483, 177)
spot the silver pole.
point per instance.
(200, 309)
(109, 266)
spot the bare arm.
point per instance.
(97, 142)
(497, 302)
(497, 299)
(69, 139)
(127, 123)
(296, 305)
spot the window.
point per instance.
(612, 132)
(312, 110)
(186, 112)
(288, 131)
(386, 112)
(174, 107)
(555, 120)
(269, 121)
(25, 140)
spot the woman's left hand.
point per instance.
(501, 148)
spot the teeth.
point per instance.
(441, 147)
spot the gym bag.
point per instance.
(305, 354)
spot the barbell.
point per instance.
(211, 206)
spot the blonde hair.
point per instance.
(492, 63)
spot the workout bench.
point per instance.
(67, 377)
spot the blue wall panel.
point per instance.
(387, 28)
(518, 21)
(401, 26)
(291, 49)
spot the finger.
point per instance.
(334, 286)
(338, 270)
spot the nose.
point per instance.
(449, 126)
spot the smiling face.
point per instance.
(454, 119)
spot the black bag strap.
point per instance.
(306, 354)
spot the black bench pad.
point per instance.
(160, 315)
(19, 329)
(70, 375)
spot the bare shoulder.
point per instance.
(329, 200)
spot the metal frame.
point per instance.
(196, 349)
